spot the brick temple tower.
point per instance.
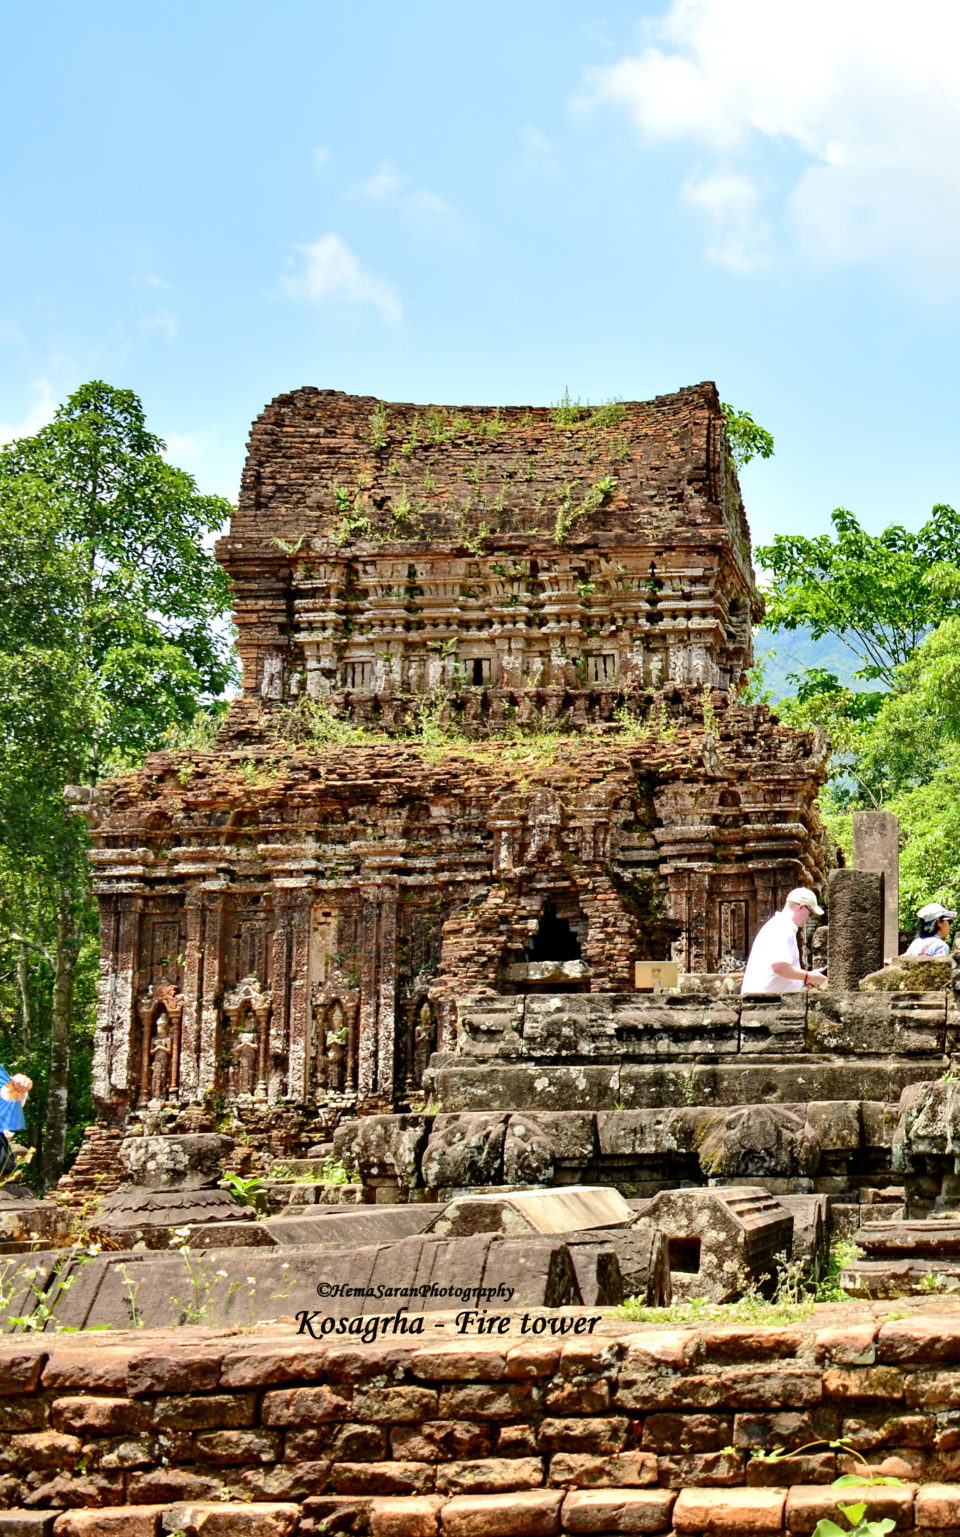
(489, 742)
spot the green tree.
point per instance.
(746, 438)
(111, 633)
(879, 594)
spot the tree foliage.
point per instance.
(746, 438)
(110, 635)
(879, 594)
(894, 600)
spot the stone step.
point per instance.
(518, 1513)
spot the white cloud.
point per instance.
(40, 414)
(857, 105)
(730, 201)
(424, 209)
(164, 323)
(152, 281)
(321, 157)
(331, 274)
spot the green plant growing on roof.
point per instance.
(568, 514)
(609, 413)
(567, 412)
(378, 426)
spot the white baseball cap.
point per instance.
(935, 910)
(803, 897)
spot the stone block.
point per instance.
(390, 1147)
(412, 1515)
(567, 1209)
(855, 940)
(527, 1153)
(27, 1523)
(772, 1024)
(643, 1260)
(232, 1520)
(586, 1470)
(20, 1369)
(805, 1506)
(918, 1340)
(935, 1506)
(519, 1087)
(876, 1024)
(99, 1416)
(490, 1475)
(465, 1150)
(571, 1133)
(184, 1162)
(737, 1511)
(617, 1510)
(441, 1441)
(533, 1513)
(360, 1225)
(121, 1521)
(715, 1237)
(910, 974)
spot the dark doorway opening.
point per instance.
(554, 939)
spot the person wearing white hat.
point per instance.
(933, 931)
(774, 963)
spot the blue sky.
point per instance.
(212, 202)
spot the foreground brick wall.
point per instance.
(629, 1430)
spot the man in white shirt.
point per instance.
(774, 964)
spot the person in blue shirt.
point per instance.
(933, 931)
(13, 1093)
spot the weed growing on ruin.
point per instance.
(569, 513)
(198, 735)
(567, 412)
(248, 1190)
(312, 722)
(194, 1309)
(378, 426)
(48, 1287)
(790, 1302)
(609, 414)
(256, 771)
(131, 1289)
(842, 1253)
(475, 542)
(402, 509)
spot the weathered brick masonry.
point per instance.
(292, 919)
(632, 1430)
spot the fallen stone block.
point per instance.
(357, 1225)
(718, 1238)
(570, 1208)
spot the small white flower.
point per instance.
(250, 1279)
(221, 1272)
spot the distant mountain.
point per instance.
(794, 651)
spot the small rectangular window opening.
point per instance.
(684, 1255)
(479, 670)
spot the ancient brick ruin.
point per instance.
(489, 744)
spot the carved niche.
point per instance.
(336, 1043)
(246, 1011)
(160, 1012)
(419, 1042)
